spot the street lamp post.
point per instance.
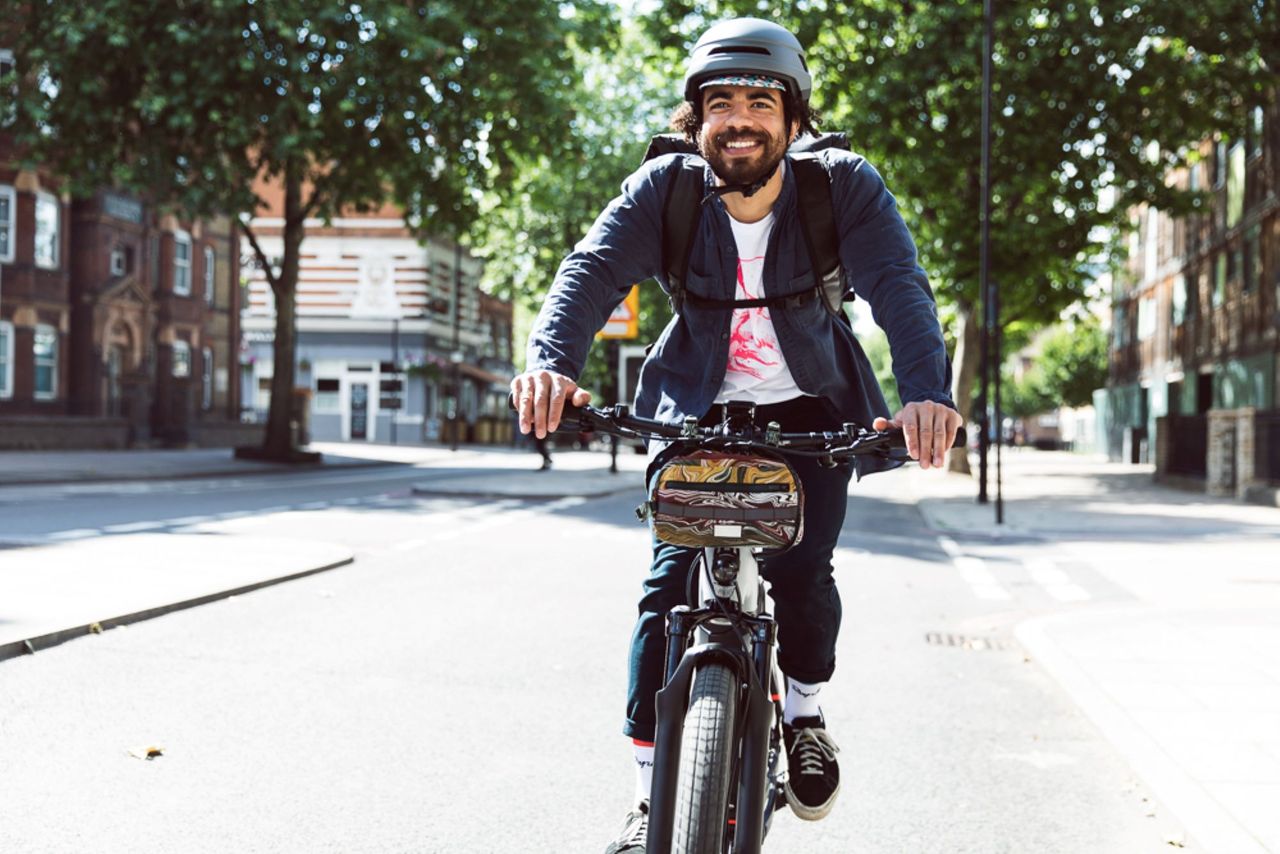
(455, 356)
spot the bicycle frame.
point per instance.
(729, 627)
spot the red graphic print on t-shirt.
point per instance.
(753, 345)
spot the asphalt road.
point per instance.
(459, 688)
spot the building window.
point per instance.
(8, 209)
(206, 378)
(1146, 318)
(1179, 301)
(208, 274)
(1120, 328)
(6, 359)
(182, 263)
(1251, 267)
(1219, 278)
(45, 350)
(48, 217)
(1255, 132)
(181, 359)
(328, 396)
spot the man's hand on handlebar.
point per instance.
(539, 398)
(930, 429)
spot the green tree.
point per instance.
(1070, 364)
(623, 97)
(345, 105)
(1093, 104)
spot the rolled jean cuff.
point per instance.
(642, 731)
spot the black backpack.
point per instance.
(683, 208)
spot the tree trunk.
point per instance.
(965, 374)
(279, 443)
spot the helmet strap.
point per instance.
(747, 190)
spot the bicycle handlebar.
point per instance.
(850, 440)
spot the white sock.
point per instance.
(644, 768)
(802, 700)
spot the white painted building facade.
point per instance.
(384, 326)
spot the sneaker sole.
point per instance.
(807, 812)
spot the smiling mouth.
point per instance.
(741, 146)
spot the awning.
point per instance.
(479, 373)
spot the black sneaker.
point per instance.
(635, 830)
(813, 777)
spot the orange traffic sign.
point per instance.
(625, 320)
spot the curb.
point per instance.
(492, 494)
(124, 477)
(30, 646)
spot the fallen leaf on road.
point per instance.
(95, 628)
(1175, 840)
(146, 752)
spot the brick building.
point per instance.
(1196, 320)
(118, 325)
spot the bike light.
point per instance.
(725, 568)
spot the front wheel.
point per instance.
(707, 757)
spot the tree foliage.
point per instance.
(623, 97)
(1070, 365)
(1093, 103)
(344, 105)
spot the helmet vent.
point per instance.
(741, 49)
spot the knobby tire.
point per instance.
(707, 755)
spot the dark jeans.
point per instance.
(805, 601)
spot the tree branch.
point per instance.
(263, 260)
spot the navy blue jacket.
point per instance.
(686, 366)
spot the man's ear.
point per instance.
(795, 130)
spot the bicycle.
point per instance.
(721, 700)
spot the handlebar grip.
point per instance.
(569, 417)
(898, 439)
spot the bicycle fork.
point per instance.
(696, 637)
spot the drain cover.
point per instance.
(963, 641)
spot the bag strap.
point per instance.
(818, 225)
(680, 215)
(682, 211)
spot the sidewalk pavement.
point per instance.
(53, 591)
(1182, 676)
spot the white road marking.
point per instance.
(73, 534)
(975, 573)
(191, 520)
(132, 527)
(1056, 583)
(949, 546)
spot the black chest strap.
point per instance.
(682, 212)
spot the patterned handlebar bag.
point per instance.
(720, 498)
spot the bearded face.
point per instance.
(742, 157)
(743, 134)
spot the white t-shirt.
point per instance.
(756, 371)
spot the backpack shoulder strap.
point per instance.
(818, 225)
(680, 214)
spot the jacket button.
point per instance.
(724, 336)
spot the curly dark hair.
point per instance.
(686, 119)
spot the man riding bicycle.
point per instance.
(746, 91)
